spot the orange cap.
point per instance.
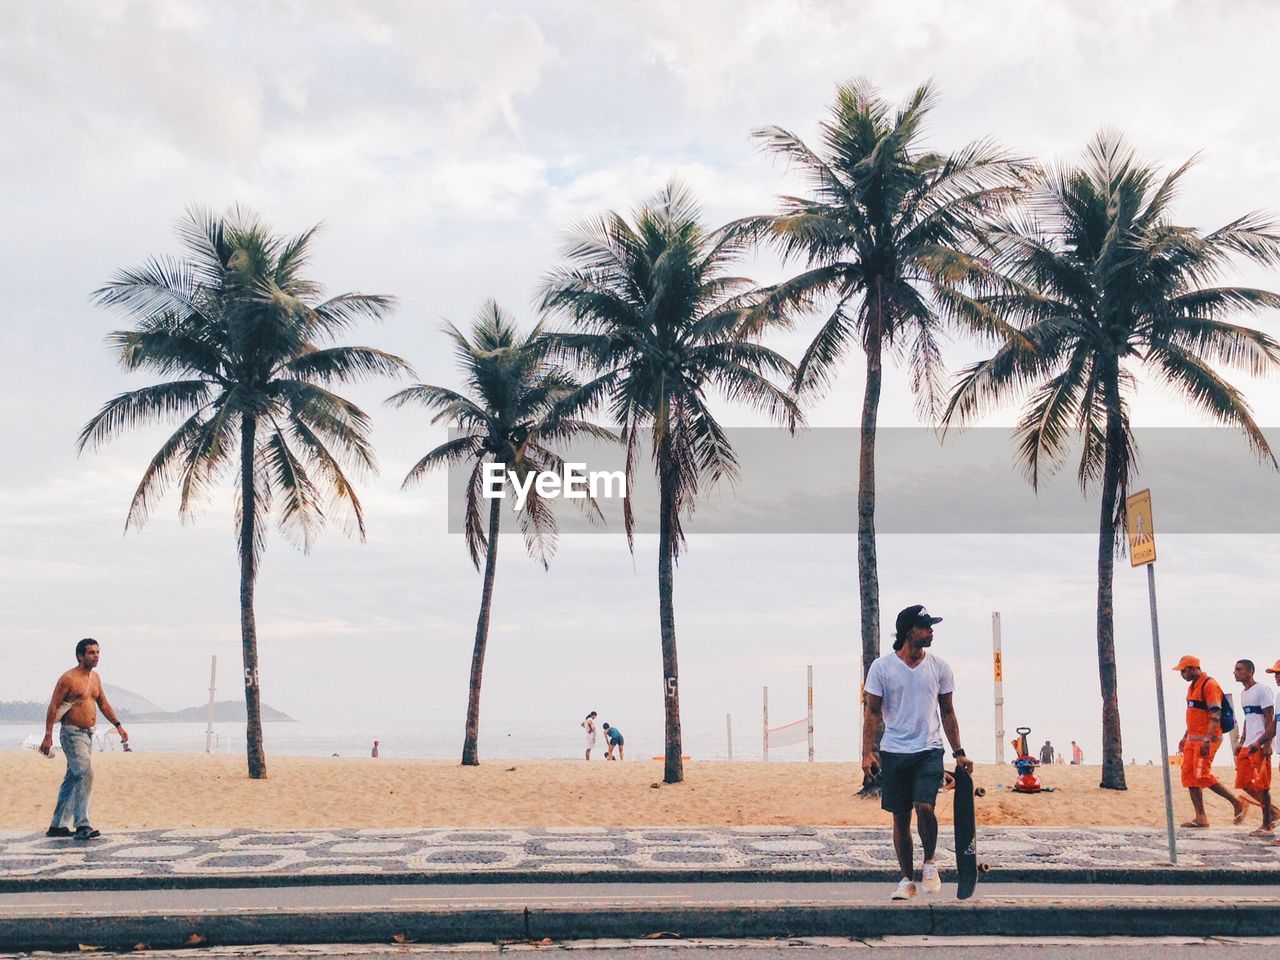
(1274, 668)
(1187, 661)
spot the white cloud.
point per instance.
(446, 146)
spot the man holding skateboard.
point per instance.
(911, 691)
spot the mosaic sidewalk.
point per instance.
(441, 853)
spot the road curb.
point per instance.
(1161, 876)
(1065, 918)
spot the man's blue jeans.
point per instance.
(77, 785)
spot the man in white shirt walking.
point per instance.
(911, 691)
(1253, 750)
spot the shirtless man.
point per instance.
(75, 700)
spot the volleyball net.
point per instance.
(793, 733)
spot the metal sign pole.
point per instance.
(1141, 524)
(1164, 734)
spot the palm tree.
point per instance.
(659, 324)
(889, 228)
(234, 328)
(517, 410)
(1101, 286)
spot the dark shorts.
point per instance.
(907, 778)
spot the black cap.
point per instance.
(914, 616)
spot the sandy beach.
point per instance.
(140, 791)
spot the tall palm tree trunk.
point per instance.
(471, 741)
(1112, 747)
(868, 574)
(248, 627)
(674, 769)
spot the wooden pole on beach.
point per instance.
(997, 666)
(811, 713)
(208, 730)
(766, 724)
(728, 731)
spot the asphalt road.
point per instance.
(601, 895)
(893, 948)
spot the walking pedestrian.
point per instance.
(1253, 751)
(76, 698)
(1201, 741)
(910, 691)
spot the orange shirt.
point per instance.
(1203, 690)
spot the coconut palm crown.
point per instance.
(237, 331)
(1100, 287)
(888, 231)
(658, 320)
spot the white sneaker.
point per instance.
(929, 876)
(905, 891)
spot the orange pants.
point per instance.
(1253, 771)
(1197, 771)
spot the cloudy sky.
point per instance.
(446, 147)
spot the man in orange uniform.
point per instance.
(1202, 740)
(1253, 752)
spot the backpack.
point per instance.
(1227, 718)
(1227, 714)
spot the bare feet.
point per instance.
(1263, 832)
(1241, 810)
(1199, 824)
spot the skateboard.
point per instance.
(966, 835)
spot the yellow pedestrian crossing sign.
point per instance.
(1142, 529)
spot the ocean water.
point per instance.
(309, 740)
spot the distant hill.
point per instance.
(123, 699)
(224, 711)
(22, 711)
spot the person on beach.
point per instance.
(1077, 755)
(1202, 740)
(76, 698)
(911, 691)
(613, 737)
(589, 725)
(1046, 753)
(1274, 670)
(374, 752)
(1253, 751)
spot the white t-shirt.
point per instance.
(1254, 724)
(910, 695)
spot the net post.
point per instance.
(766, 724)
(810, 715)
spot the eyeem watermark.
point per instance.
(573, 482)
